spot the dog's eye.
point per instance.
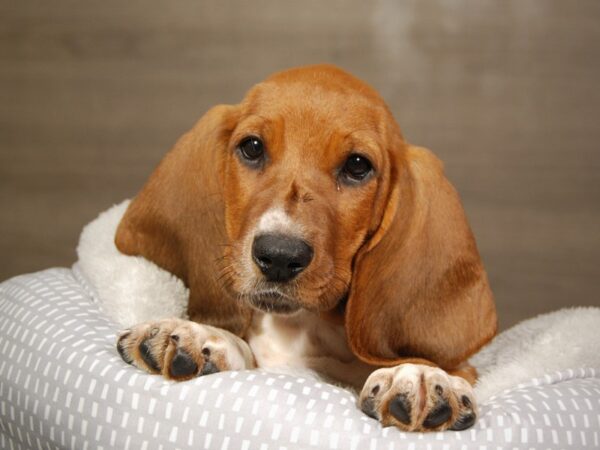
(252, 149)
(356, 168)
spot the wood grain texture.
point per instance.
(92, 94)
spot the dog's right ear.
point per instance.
(177, 219)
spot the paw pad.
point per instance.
(400, 408)
(182, 365)
(145, 349)
(440, 414)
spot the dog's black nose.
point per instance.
(280, 257)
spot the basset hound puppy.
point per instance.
(312, 235)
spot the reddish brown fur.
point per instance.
(399, 245)
(439, 305)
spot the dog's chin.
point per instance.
(273, 302)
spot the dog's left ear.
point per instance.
(419, 288)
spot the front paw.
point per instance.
(415, 397)
(181, 350)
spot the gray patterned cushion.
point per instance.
(63, 385)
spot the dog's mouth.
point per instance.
(273, 301)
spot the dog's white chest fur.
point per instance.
(304, 340)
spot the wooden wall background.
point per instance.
(93, 93)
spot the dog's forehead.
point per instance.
(317, 93)
(327, 77)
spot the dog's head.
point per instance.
(308, 167)
(305, 195)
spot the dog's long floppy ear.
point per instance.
(177, 220)
(419, 288)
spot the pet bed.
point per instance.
(63, 384)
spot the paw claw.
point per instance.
(466, 401)
(121, 348)
(463, 422)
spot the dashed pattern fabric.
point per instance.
(63, 385)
